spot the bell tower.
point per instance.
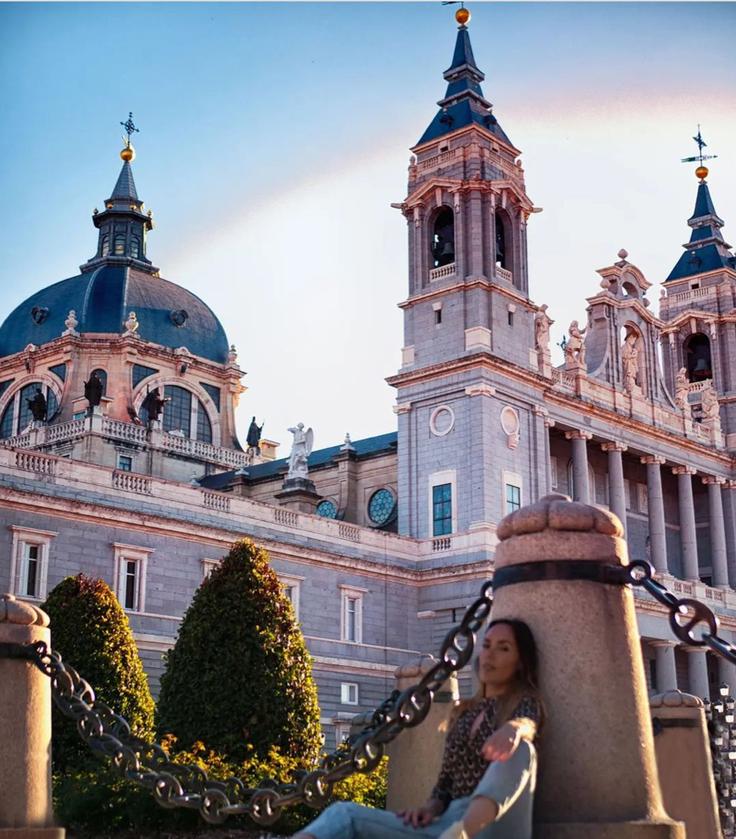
(697, 304)
(467, 308)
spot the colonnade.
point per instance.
(697, 661)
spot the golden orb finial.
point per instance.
(128, 153)
(701, 172)
(462, 16)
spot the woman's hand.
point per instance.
(502, 743)
(421, 816)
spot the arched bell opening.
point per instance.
(442, 243)
(698, 358)
(503, 242)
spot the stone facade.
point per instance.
(400, 531)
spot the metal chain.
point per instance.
(175, 785)
(686, 614)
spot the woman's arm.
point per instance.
(523, 725)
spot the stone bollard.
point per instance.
(25, 729)
(598, 773)
(684, 762)
(415, 755)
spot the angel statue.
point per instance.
(301, 448)
(575, 347)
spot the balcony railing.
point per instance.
(504, 274)
(442, 272)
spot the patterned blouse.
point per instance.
(463, 765)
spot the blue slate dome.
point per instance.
(117, 280)
(102, 299)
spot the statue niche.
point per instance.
(443, 238)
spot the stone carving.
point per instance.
(131, 325)
(542, 322)
(347, 445)
(154, 404)
(232, 356)
(39, 314)
(254, 438)
(37, 405)
(630, 362)
(93, 390)
(682, 388)
(710, 404)
(301, 448)
(71, 324)
(575, 347)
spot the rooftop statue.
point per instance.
(575, 347)
(254, 437)
(153, 404)
(93, 390)
(301, 448)
(630, 361)
(37, 405)
(682, 388)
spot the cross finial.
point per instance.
(129, 127)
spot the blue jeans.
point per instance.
(509, 783)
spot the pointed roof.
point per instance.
(707, 250)
(125, 185)
(463, 103)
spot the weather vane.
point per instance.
(129, 127)
(700, 157)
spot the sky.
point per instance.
(275, 136)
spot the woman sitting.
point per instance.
(488, 773)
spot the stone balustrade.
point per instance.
(123, 430)
(441, 272)
(65, 431)
(504, 274)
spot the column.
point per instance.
(616, 492)
(727, 674)
(718, 556)
(666, 667)
(690, 568)
(697, 665)
(657, 538)
(729, 509)
(580, 480)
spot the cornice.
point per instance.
(461, 285)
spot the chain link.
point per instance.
(175, 785)
(686, 615)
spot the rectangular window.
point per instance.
(643, 498)
(342, 732)
(351, 624)
(511, 318)
(349, 693)
(125, 463)
(441, 509)
(29, 561)
(553, 472)
(208, 565)
(292, 589)
(438, 316)
(513, 498)
(130, 586)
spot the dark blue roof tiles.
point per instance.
(703, 203)
(125, 185)
(461, 115)
(102, 300)
(700, 260)
(462, 85)
(463, 52)
(700, 234)
(380, 444)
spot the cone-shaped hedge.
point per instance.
(239, 675)
(91, 632)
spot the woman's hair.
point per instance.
(527, 681)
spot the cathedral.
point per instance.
(119, 455)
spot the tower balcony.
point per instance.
(504, 274)
(442, 272)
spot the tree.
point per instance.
(91, 632)
(239, 676)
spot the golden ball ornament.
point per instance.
(128, 154)
(701, 172)
(462, 16)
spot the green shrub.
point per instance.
(239, 676)
(91, 632)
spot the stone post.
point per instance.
(728, 497)
(697, 664)
(657, 533)
(666, 665)
(416, 755)
(718, 555)
(616, 491)
(683, 759)
(580, 479)
(690, 568)
(25, 729)
(598, 774)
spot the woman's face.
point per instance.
(499, 660)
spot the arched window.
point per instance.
(178, 410)
(102, 376)
(105, 245)
(119, 244)
(697, 358)
(17, 415)
(204, 426)
(443, 238)
(500, 244)
(135, 247)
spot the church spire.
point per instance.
(123, 224)
(706, 250)
(463, 103)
